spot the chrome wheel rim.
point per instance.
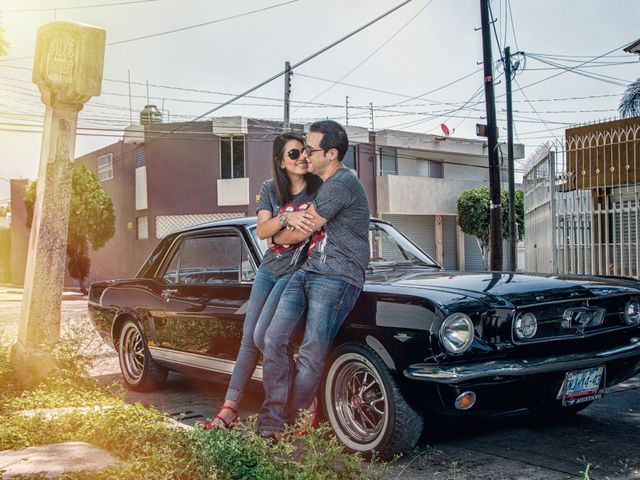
(132, 353)
(359, 401)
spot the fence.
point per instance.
(582, 199)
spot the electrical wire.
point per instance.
(569, 69)
(396, 33)
(29, 10)
(182, 29)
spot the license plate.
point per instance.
(581, 386)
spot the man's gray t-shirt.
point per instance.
(343, 250)
(282, 260)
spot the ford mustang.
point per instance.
(419, 340)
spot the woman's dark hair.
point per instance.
(333, 136)
(280, 178)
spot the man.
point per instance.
(325, 288)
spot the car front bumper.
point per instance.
(478, 371)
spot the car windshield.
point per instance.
(387, 245)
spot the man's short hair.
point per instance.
(333, 136)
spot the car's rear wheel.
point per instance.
(364, 406)
(141, 373)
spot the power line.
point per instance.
(29, 10)
(372, 53)
(570, 68)
(167, 32)
(595, 76)
(144, 37)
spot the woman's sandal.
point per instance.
(219, 421)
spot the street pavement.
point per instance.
(603, 438)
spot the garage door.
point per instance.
(419, 228)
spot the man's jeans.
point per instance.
(265, 293)
(290, 387)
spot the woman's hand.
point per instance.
(301, 220)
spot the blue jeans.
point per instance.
(265, 293)
(290, 386)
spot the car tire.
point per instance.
(556, 410)
(377, 418)
(140, 372)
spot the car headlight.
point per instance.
(456, 333)
(526, 326)
(631, 312)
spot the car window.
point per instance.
(210, 260)
(171, 273)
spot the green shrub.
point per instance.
(144, 441)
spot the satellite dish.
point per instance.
(445, 130)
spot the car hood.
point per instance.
(499, 287)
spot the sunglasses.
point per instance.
(294, 154)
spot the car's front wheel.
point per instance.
(139, 370)
(364, 406)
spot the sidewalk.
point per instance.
(56, 459)
(10, 293)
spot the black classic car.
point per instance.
(419, 340)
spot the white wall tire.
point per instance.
(364, 406)
(139, 370)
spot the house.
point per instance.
(165, 176)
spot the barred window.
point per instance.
(142, 227)
(140, 155)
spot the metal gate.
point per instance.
(582, 200)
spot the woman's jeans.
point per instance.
(265, 294)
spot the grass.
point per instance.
(146, 444)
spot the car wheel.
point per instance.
(556, 410)
(364, 406)
(139, 370)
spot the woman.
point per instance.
(282, 202)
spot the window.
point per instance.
(350, 159)
(388, 161)
(142, 228)
(435, 169)
(232, 157)
(105, 167)
(219, 259)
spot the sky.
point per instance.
(415, 69)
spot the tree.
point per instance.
(91, 220)
(474, 217)
(630, 104)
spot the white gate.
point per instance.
(582, 200)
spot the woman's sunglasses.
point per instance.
(294, 154)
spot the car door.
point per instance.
(206, 302)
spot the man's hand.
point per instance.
(297, 235)
(301, 220)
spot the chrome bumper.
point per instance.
(515, 368)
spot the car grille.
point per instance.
(575, 318)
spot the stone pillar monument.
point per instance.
(68, 71)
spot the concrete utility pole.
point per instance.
(513, 231)
(495, 224)
(287, 94)
(68, 71)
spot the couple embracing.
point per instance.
(315, 215)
